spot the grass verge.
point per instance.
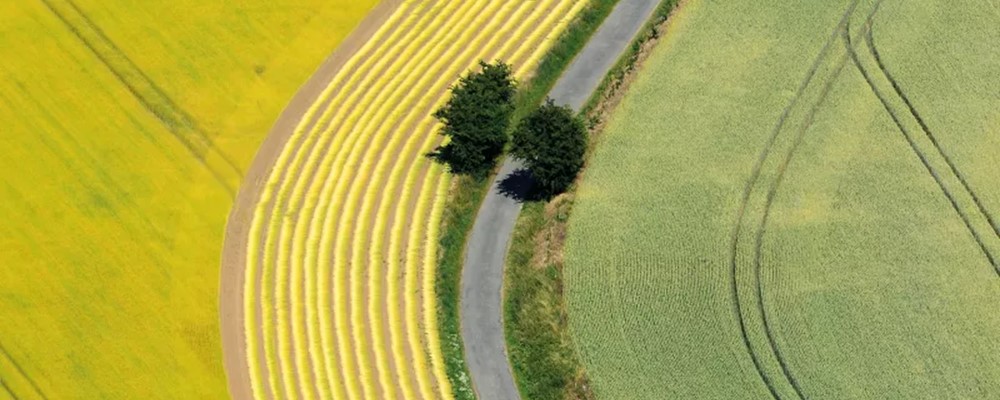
(541, 349)
(459, 214)
(542, 353)
(467, 194)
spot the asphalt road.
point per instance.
(482, 274)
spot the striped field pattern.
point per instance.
(338, 293)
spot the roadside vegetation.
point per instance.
(551, 141)
(467, 192)
(544, 355)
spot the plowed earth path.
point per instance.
(330, 255)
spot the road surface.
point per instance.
(482, 274)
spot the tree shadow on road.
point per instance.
(519, 186)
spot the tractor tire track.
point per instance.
(769, 202)
(177, 121)
(6, 389)
(4, 355)
(894, 115)
(751, 183)
(870, 41)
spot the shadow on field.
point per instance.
(519, 186)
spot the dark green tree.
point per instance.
(552, 142)
(476, 120)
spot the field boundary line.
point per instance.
(177, 121)
(755, 175)
(893, 114)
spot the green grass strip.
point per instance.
(541, 350)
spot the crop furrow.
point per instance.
(321, 278)
(354, 243)
(304, 253)
(409, 158)
(320, 238)
(270, 199)
(323, 239)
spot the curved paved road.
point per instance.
(482, 273)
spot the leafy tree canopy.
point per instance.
(476, 120)
(552, 142)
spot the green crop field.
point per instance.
(798, 200)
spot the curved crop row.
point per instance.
(339, 293)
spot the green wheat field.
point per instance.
(798, 200)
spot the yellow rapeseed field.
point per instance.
(126, 129)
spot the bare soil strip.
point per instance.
(234, 255)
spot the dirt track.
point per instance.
(234, 254)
